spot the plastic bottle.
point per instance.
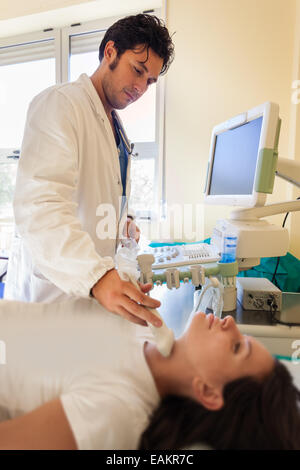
(228, 254)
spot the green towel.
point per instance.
(287, 276)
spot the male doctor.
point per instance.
(73, 177)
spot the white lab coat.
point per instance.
(69, 165)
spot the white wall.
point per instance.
(231, 55)
(294, 147)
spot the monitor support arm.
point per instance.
(286, 169)
(264, 211)
(289, 170)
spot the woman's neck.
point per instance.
(171, 375)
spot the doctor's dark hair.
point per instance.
(256, 416)
(132, 31)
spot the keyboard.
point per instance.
(183, 255)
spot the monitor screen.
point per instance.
(235, 158)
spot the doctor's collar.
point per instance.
(93, 95)
(99, 109)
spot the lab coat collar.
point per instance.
(99, 108)
(92, 92)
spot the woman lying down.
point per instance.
(79, 377)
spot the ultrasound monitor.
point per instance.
(243, 158)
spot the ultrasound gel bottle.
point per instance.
(228, 254)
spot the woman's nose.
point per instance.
(228, 323)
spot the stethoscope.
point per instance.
(128, 146)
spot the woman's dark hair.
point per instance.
(256, 415)
(132, 31)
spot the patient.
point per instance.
(79, 378)
(240, 397)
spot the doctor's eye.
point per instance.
(139, 72)
(236, 347)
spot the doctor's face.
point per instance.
(221, 353)
(128, 77)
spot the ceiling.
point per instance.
(31, 20)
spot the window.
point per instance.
(8, 173)
(83, 52)
(27, 66)
(26, 70)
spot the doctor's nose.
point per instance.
(140, 87)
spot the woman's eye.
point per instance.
(137, 71)
(237, 347)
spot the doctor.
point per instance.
(73, 177)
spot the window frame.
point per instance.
(20, 40)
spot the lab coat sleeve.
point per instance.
(44, 204)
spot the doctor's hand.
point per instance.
(123, 298)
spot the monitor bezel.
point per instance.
(270, 114)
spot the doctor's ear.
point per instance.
(110, 52)
(210, 397)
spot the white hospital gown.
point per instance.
(90, 358)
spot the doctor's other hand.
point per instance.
(123, 298)
(131, 230)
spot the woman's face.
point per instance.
(221, 353)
